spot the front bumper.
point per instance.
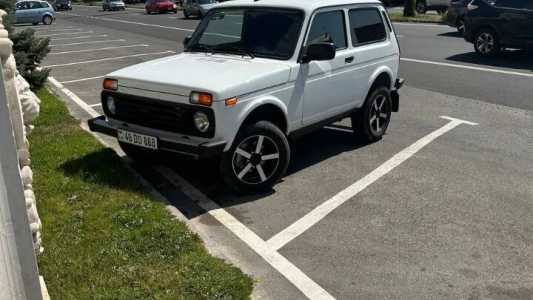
(395, 96)
(203, 150)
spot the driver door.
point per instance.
(21, 12)
(327, 90)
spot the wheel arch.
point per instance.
(266, 109)
(381, 77)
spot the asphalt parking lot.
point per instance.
(440, 208)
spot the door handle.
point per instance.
(348, 59)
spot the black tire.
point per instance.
(247, 170)
(139, 154)
(421, 7)
(35, 23)
(47, 20)
(103, 8)
(372, 120)
(487, 43)
(185, 14)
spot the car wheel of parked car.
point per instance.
(486, 42)
(103, 8)
(257, 160)
(47, 20)
(421, 7)
(185, 14)
(372, 120)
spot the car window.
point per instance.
(328, 27)
(511, 3)
(35, 5)
(22, 5)
(366, 26)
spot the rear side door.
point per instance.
(513, 20)
(327, 84)
(373, 48)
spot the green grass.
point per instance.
(104, 237)
(421, 18)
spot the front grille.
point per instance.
(157, 114)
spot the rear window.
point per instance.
(366, 26)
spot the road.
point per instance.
(440, 208)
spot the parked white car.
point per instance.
(253, 75)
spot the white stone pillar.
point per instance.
(19, 278)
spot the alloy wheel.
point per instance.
(379, 115)
(485, 43)
(256, 159)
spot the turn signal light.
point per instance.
(110, 84)
(201, 98)
(231, 101)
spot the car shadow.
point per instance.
(455, 33)
(307, 151)
(513, 59)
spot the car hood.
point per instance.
(207, 6)
(224, 76)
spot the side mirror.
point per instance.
(319, 51)
(186, 40)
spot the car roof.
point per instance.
(305, 5)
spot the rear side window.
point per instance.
(328, 27)
(366, 26)
(511, 3)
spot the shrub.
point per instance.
(29, 50)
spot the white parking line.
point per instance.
(79, 37)
(106, 59)
(58, 30)
(131, 22)
(87, 43)
(82, 79)
(292, 273)
(70, 33)
(95, 105)
(320, 212)
(466, 67)
(99, 49)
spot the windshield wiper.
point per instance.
(240, 50)
(201, 47)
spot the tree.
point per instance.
(409, 9)
(29, 50)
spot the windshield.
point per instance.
(206, 1)
(262, 32)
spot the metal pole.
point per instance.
(19, 277)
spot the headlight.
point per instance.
(201, 121)
(110, 104)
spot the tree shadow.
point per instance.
(513, 59)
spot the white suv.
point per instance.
(254, 75)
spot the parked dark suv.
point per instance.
(494, 25)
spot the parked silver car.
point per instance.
(34, 12)
(197, 7)
(113, 5)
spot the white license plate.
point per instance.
(140, 140)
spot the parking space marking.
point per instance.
(82, 79)
(292, 273)
(107, 59)
(99, 49)
(79, 37)
(69, 33)
(465, 67)
(320, 212)
(87, 43)
(58, 30)
(95, 105)
(130, 22)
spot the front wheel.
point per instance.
(185, 14)
(257, 160)
(47, 20)
(372, 120)
(486, 43)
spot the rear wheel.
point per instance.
(372, 120)
(47, 20)
(185, 14)
(486, 43)
(257, 160)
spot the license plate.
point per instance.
(140, 140)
